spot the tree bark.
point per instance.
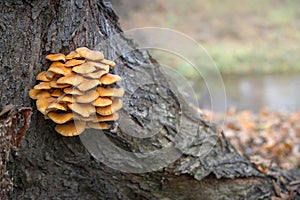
(49, 166)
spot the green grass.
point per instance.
(260, 60)
(252, 36)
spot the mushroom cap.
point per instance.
(60, 118)
(108, 62)
(102, 101)
(97, 125)
(57, 93)
(89, 54)
(97, 118)
(108, 79)
(88, 84)
(72, 55)
(71, 128)
(73, 91)
(74, 62)
(43, 103)
(67, 99)
(49, 75)
(72, 79)
(37, 94)
(55, 106)
(98, 65)
(100, 118)
(56, 57)
(57, 64)
(42, 77)
(87, 97)
(82, 50)
(97, 74)
(54, 84)
(42, 86)
(110, 92)
(84, 68)
(78, 117)
(84, 110)
(108, 110)
(59, 68)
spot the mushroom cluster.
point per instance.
(78, 92)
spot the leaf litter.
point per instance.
(269, 139)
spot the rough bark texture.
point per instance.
(14, 123)
(49, 166)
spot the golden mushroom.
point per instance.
(72, 79)
(87, 85)
(37, 94)
(54, 84)
(57, 93)
(109, 110)
(100, 118)
(110, 92)
(42, 77)
(42, 85)
(84, 68)
(54, 106)
(87, 97)
(78, 92)
(108, 62)
(74, 62)
(72, 90)
(102, 102)
(61, 117)
(59, 68)
(89, 54)
(67, 99)
(71, 128)
(85, 110)
(56, 57)
(72, 55)
(109, 79)
(98, 65)
(97, 125)
(43, 103)
(97, 74)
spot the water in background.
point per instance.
(277, 92)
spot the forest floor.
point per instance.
(268, 138)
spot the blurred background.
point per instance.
(255, 45)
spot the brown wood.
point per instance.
(49, 166)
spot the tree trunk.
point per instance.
(49, 166)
